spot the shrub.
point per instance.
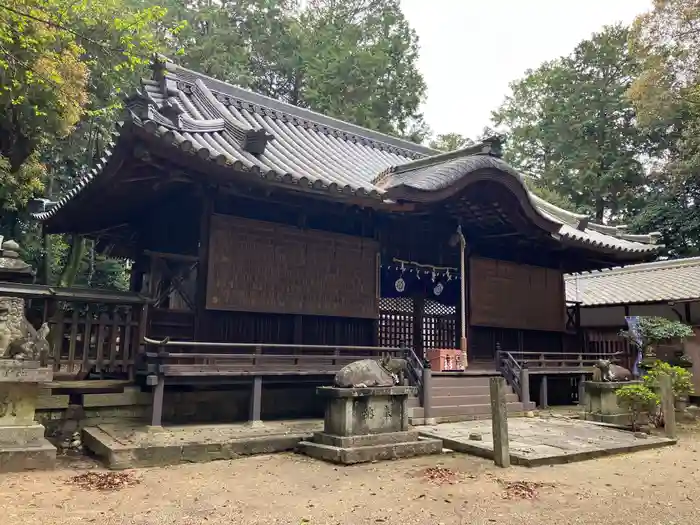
(639, 400)
(657, 330)
(681, 379)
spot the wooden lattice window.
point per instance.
(439, 325)
(395, 324)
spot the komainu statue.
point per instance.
(612, 373)
(371, 373)
(33, 346)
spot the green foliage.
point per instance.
(355, 60)
(666, 97)
(681, 379)
(655, 330)
(570, 125)
(639, 399)
(450, 142)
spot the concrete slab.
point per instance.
(543, 441)
(123, 446)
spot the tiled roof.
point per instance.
(661, 281)
(247, 132)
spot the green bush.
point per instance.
(681, 378)
(638, 399)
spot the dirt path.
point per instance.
(654, 487)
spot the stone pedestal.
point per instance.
(600, 402)
(22, 442)
(367, 424)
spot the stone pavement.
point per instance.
(543, 441)
(123, 446)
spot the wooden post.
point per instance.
(427, 394)
(499, 422)
(524, 385)
(668, 406)
(581, 381)
(463, 296)
(256, 401)
(158, 383)
(206, 212)
(543, 392)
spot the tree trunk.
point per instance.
(75, 257)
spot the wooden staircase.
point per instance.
(461, 397)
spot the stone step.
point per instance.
(330, 440)
(366, 454)
(461, 381)
(442, 391)
(469, 410)
(412, 401)
(452, 400)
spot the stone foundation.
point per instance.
(600, 402)
(367, 424)
(22, 442)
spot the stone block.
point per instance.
(359, 411)
(132, 396)
(366, 440)
(41, 456)
(21, 435)
(23, 372)
(370, 453)
(600, 402)
(367, 424)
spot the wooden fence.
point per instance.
(606, 342)
(90, 330)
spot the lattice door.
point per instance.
(395, 321)
(439, 325)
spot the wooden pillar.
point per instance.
(427, 394)
(524, 385)
(543, 392)
(668, 406)
(418, 312)
(158, 383)
(499, 422)
(207, 209)
(256, 400)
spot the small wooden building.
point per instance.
(669, 289)
(253, 221)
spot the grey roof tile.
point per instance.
(661, 281)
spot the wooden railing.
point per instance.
(517, 367)
(252, 359)
(90, 329)
(512, 372)
(416, 371)
(560, 361)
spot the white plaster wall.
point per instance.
(611, 316)
(603, 316)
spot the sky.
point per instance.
(472, 49)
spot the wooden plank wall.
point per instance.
(508, 295)
(257, 266)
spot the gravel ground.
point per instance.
(653, 487)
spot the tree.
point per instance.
(355, 60)
(666, 96)
(570, 126)
(60, 62)
(450, 142)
